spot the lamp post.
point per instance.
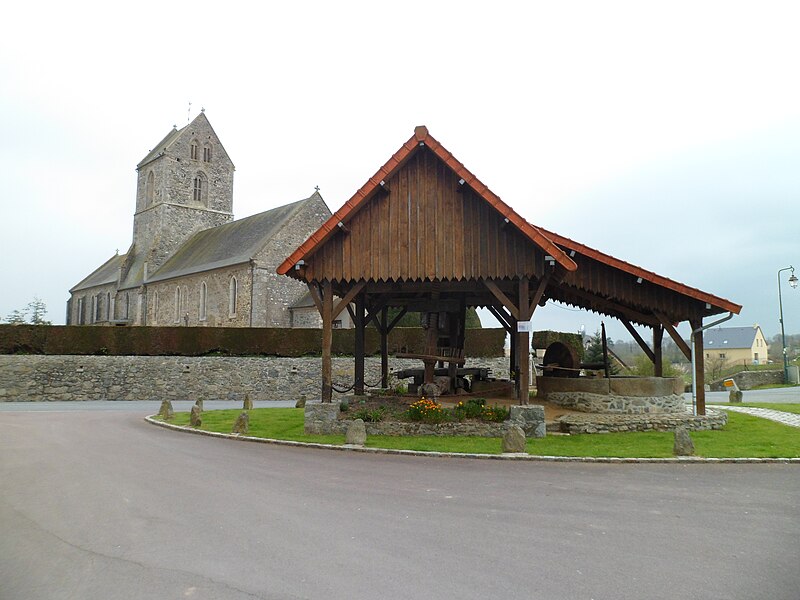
(793, 284)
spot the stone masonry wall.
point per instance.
(747, 380)
(77, 378)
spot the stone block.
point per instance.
(735, 396)
(683, 443)
(165, 411)
(514, 440)
(356, 434)
(242, 424)
(194, 417)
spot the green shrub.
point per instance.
(370, 416)
(344, 406)
(494, 414)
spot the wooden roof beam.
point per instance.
(348, 298)
(642, 344)
(676, 337)
(502, 298)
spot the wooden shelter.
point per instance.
(425, 235)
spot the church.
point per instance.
(190, 263)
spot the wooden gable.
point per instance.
(423, 224)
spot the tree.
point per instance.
(594, 352)
(37, 310)
(17, 317)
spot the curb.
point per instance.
(514, 457)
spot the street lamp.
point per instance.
(793, 284)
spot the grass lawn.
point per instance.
(744, 436)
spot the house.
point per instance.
(190, 263)
(735, 345)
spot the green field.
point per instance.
(744, 436)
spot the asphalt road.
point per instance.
(100, 505)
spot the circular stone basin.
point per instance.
(617, 395)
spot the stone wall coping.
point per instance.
(514, 456)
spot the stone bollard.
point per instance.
(248, 403)
(514, 440)
(194, 417)
(199, 403)
(166, 411)
(356, 433)
(242, 424)
(300, 403)
(683, 443)
(735, 396)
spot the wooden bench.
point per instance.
(452, 356)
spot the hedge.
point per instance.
(227, 341)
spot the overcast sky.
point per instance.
(666, 134)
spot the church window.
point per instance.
(81, 318)
(149, 189)
(200, 193)
(232, 299)
(155, 307)
(127, 305)
(206, 153)
(203, 299)
(178, 304)
(193, 150)
(108, 306)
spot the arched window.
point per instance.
(127, 305)
(232, 299)
(177, 304)
(149, 189)
(185, 301)
(200, 191)
(108, 306)
(207, 153)
(81, 317)
(93, 311)
(155, 308)
(203, 298)
(193, 150)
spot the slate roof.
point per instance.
(106, 273)
(729, 337)
(230, 244)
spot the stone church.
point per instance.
(190, 263)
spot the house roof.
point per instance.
(730, 337)
(230, 244)
(105, 274)
(422, 138)
(643, 273)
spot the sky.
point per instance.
(665, 134)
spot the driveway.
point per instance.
(100, 505)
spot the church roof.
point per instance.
(226, 245)
(105, 274)
(730, 337)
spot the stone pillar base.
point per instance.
(530, 418)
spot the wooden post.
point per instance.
(700, 379)
(327, 340)
(604, 341)
(431, 339)
(658, 364)
(384, 330)
(358, 387)
(524, 343)
(513, 367)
